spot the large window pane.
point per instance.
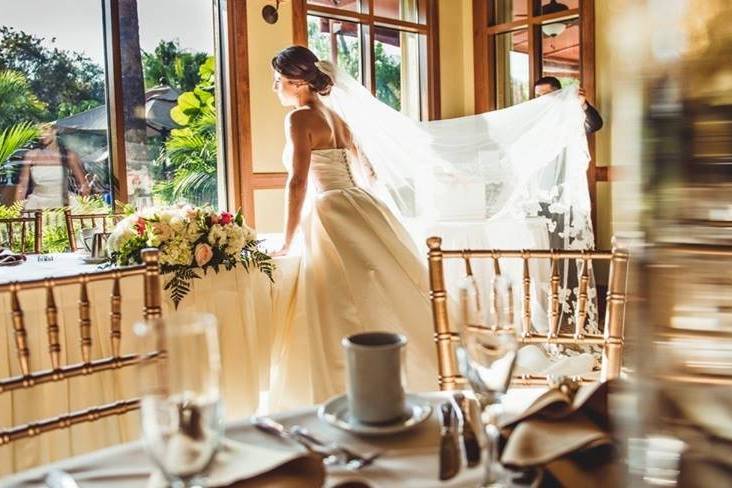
(512, 68)
(508, 10)
(397, 70)
(351, 5)
(52, 97)
(560, 55)
(329, 36)
(407, 10)
(169, 79)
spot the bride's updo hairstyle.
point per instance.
(298, 63)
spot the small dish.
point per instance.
(335, 412)
(93, 260)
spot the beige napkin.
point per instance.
(9, 258)
(248, 466)
(567, 435)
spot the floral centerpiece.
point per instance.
(189, 239)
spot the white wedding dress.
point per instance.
(48, 187)
(360, 271)
(360, 268)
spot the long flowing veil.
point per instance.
(526, 163)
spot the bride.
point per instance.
(360, 172)
(360, 269)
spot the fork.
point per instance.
(353, 461)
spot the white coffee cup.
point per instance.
(375, 390)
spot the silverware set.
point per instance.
(332, 453)
(456, 424)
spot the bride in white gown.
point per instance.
(360, 269)
(360, 171)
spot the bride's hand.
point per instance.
(283, 251)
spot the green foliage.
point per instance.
(190, 154)
(59, 78)
(14, 138)
(18, 103)
(388, 78)
(388, 68)
(169, 65)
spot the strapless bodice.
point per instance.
(330, 169)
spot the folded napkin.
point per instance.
(9, 258)
(566, 434)
(238, 465)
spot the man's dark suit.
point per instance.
(593, 120)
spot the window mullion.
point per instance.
(115, 103)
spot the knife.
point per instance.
(449, 449)
(470, 439)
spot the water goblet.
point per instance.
(486, 358)
(181, 408)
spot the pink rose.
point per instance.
(214, 219)
(140, 226)
(226, 218)
(203, 254)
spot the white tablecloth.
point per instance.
(409, 460)
(250, 312)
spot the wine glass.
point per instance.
(181, 408)
(486, 357)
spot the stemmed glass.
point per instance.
(486, 358)
(181, 408)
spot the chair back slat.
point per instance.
(115, 318)
(526, 322)
(149, 274)
(582, 299)
(84, 321)
(554, 306)
(611, 339)
(445, 338)
(54, 344)
(21, 335)
(615, 315)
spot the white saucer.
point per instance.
(91, 260)
(335, 412)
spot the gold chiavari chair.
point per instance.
(149, 272)
(447, 337)
(107, 221)
(12, 224)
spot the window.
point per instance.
(152, 137)
(519, 41)
(386, 44)
(53, 113)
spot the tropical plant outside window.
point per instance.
(54, 125)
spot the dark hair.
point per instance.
(549, 80)
(298, 63)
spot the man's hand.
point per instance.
(582, 98)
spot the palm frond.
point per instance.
(16, 137)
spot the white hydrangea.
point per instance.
(176, 251)
(123, 232)
(218, 236)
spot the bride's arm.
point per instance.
(297, 133)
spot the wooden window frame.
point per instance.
(430, 29)
(484, 60)
(228, 35)
(250, 181)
